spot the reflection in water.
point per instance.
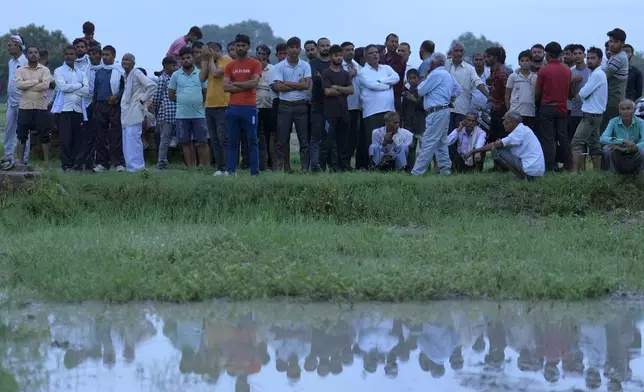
(278, 346)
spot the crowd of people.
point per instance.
(558, 107)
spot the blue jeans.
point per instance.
(242, 118)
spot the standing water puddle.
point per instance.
(281, 346)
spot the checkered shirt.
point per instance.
(164, 109)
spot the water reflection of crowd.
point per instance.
(209, 347)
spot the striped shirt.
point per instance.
(617, 73)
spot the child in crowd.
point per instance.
(413, 113)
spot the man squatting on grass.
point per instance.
(337, 102)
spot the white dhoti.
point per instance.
(133, 148)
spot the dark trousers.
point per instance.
(266, 130)
(370, 123)
(530, 122)
(89, 152)
(354, 132)
(572, 124)
(317, 137)
(218, 134)
(109, 135)
(552, 129)
(338, 142)
(454, 120)
(290, 113)
(459, 164)
(497, 130)
(72, 139)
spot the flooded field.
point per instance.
(282, 346)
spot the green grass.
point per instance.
(189, 236)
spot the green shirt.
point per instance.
(189, 93)
(616, 132)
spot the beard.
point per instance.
(537, 59)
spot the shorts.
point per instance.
(34, 120)
(192, 129)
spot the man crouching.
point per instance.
(520, 151)
(390, 144)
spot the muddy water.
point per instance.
(280, 346)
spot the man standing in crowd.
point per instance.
(634, 85)
(82, 59)
(520, 89)
(139, 89)
(594, 97)
(281, 53)
(376, 91)
(623, 141)
(438, 90)
(88, 34)
(520, 151)
(33, 80)
(465, 138)
(15, 47)
(426, 51)
(466, 76)
(212, 71)
(538, 54)
(616, 73)
(318, 143)
(72, 86)
(188, 91)
(580, 75)
(497, 82)
(109, 84)
(194, 35)
(292, 79)
(240, 80)
(397, 63)
(552, 91)
(165, 111)
(337, 85)
(354, 132)
(311, 50)
(390, 144)
(264, 101)
(404, 51)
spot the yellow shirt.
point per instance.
(215, 95)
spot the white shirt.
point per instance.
(13, 94)
(594, 94)
(525, 145)
(73, 88)
(353, 100)
(376, 89)
(466, 76)
(401, 138)
(466, 143)
(284, 72)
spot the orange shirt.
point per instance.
(243, 71)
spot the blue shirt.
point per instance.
(439, 88)
(189, 93)
(424, 67)
(284, 72)
(102, 85)
(616, 132)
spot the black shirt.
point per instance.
(634, 85)
(335, 106)
(317, 67)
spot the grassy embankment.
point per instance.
(188, 236)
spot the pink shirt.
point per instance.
(176, 46)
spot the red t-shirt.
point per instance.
(243, 71)
(554, 80)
